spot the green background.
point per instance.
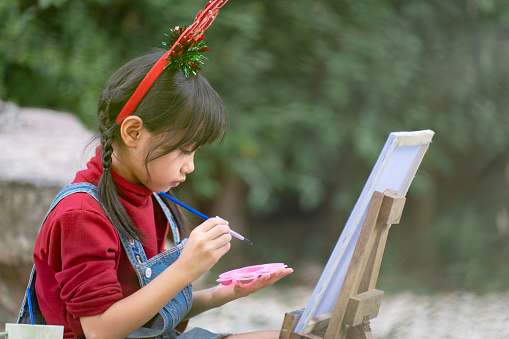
(313, 90)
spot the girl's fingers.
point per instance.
(222, 250)
(238, 286)
(241, 289)
(218, 231)
(209, 224)
(219, 239)
(214, 246)
(278, 276)
(269, 279)
(210, 230)
(207, 244)
(255, 285)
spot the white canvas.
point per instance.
(395, 169)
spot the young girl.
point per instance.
(102, 270)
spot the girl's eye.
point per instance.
(189, 151)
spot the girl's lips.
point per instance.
(176, 183)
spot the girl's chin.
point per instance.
(161, 188)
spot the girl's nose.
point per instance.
(188, 166)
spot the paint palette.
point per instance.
(249, 273)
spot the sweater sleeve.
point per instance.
(89, 251)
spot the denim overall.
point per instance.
(171, 315)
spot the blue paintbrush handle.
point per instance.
(30, 310)
(203, 216)
(190, 209)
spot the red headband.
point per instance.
(193, 33)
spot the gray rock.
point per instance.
(42, 147)
(41, 154)
(41, 150)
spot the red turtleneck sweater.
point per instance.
(82, 268)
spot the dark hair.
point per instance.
(184, 112)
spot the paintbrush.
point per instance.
(203, 216)
(32, 322)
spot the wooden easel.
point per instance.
(358, 300)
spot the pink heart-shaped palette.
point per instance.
(249, 273)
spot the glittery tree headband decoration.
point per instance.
(187, 44)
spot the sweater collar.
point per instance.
(132, 193)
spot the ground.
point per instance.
(461, 315)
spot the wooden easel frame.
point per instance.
(350, 320)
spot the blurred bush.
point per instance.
(314, 88)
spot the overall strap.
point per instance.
(82, 187)
(134, 248)
(23, 314)
(171, 219)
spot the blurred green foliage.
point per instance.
(314, 89)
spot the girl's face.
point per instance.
(165, 172)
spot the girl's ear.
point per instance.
(131, 130)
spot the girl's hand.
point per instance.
(207, 243)
(226, 293)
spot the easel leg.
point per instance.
(350, 320)
(358, 263)
(289, 323)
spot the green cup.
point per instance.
(25, 331)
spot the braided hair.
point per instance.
(183, 112)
